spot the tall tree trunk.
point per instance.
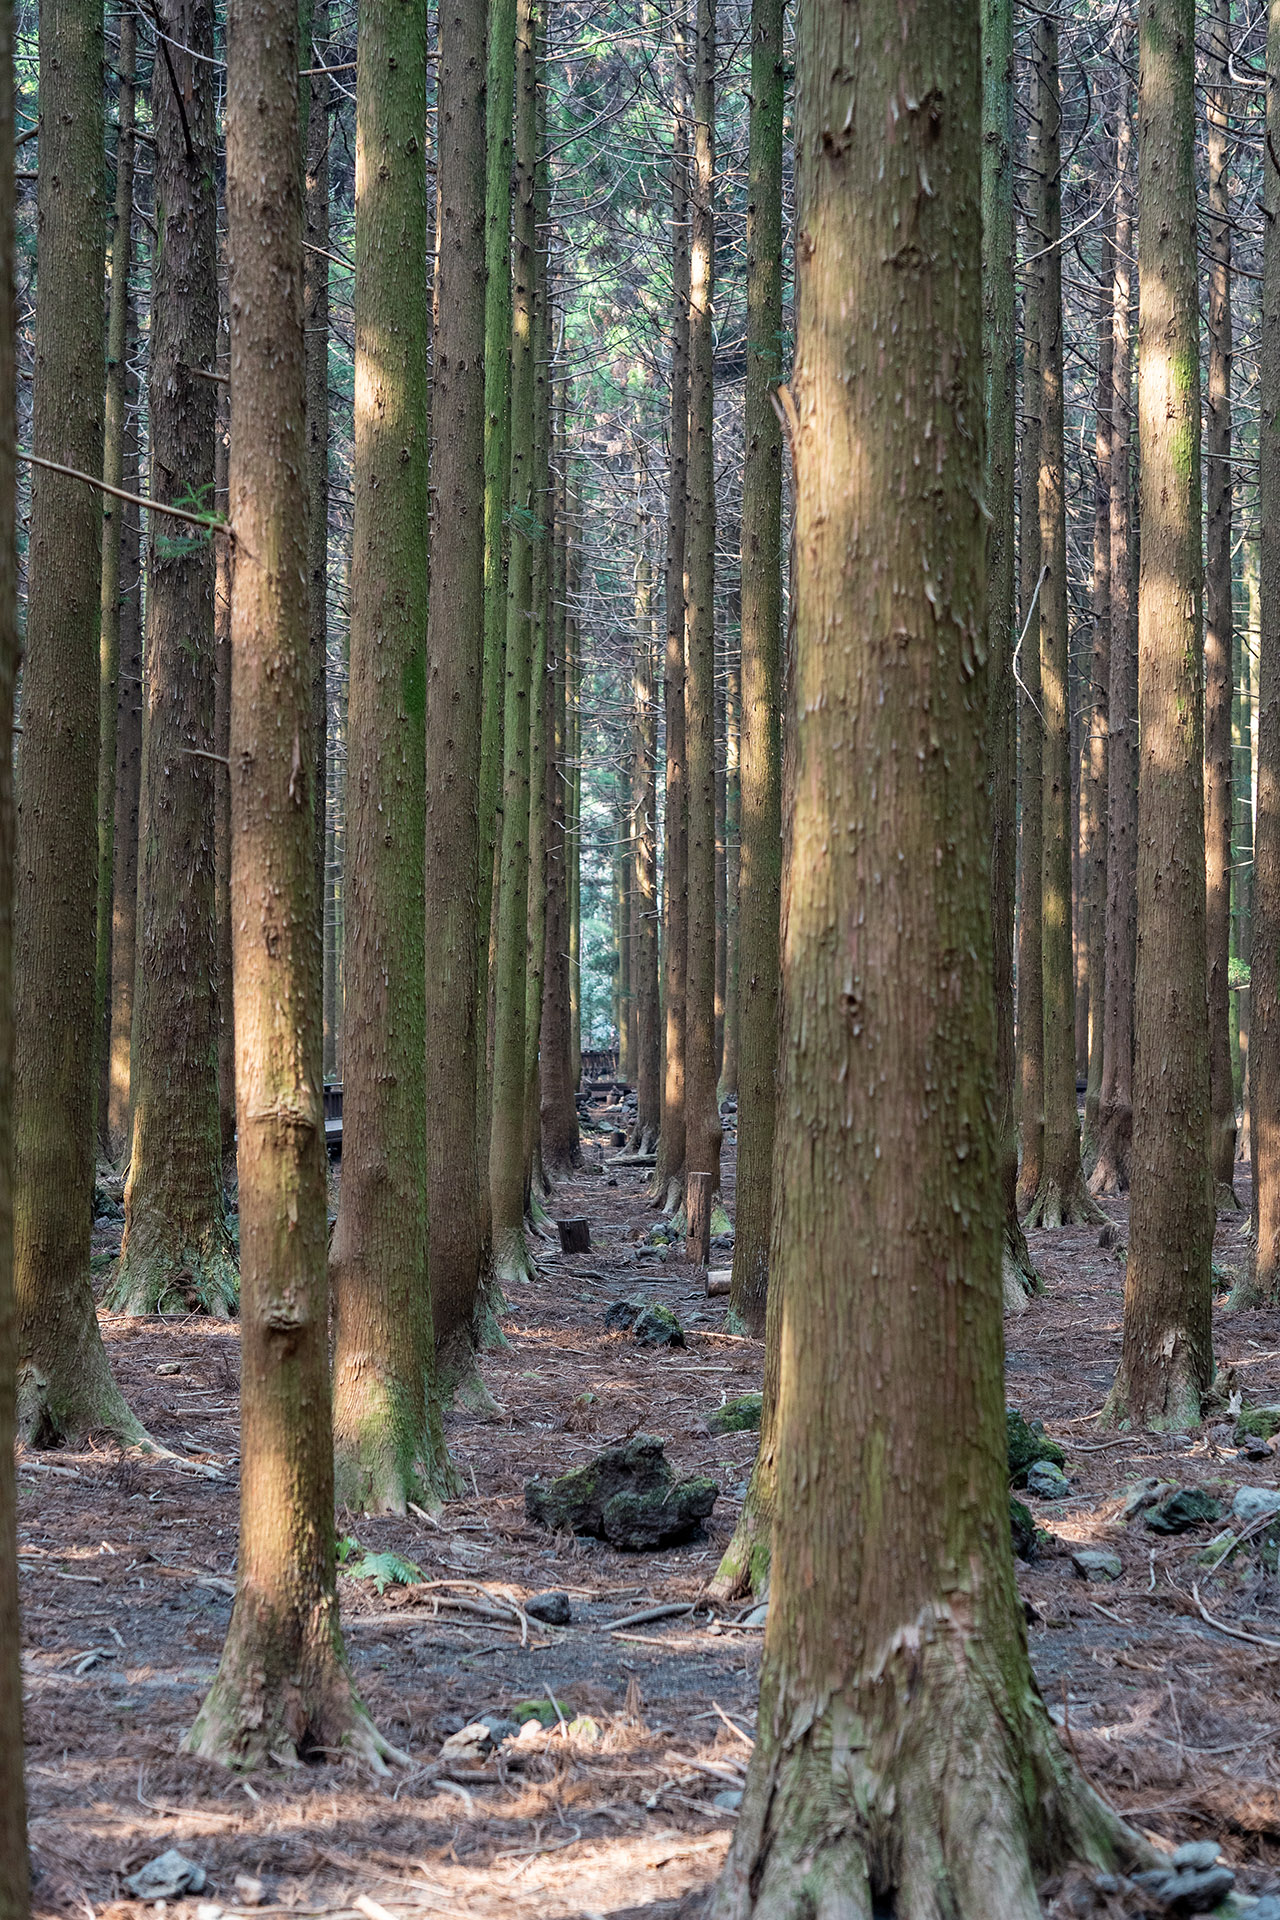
(732, 863)
(669, 1172)
(128, 786)
(539, 608)
(1093, 768)
(14, 1867)
(1115, 1104)
(457, 1206)
(701, 1109)
(904, 1756)
(65, 1384)
(506, 1141)
(1263, 1286)
(644, 880)
(720, 752)
(1166, 1361)
(998, 350)
(760, 873)
(177, 1250)
(315, 264)
(1062, 1197)
(499, 110)
(1218, 621)
(282, 1685)
(560, 1146)
(388, 1443)
(573, 827)
(119, 317)
(222, 744)
(622, 924)
(1030, 1022)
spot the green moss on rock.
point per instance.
(740, 1415)
(1028, 1442)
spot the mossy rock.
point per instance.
(1188, 1507)
(1028, 1442)
(1257, 1423)
(740, 1415)
(543, 1711)
(649, 1323)
(627, 1495)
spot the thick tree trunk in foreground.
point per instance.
(119, 317)
(388, 1447)
(904, 1756)
(760, 761)
(65, 1386)
(1166, 1361)
(539, 628)
(702, 1073)
(561, 1150)
(14, 1869)
(282, 1686)
(315, 264)
(1115, 1104)
(506, 1141)
(998, 355)
(457, 1209)
(669, 1173)
(1218, 620)
(1061, 1198)
(1263, 1286)
(1030, 1025)
(177, 1251)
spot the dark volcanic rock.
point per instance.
(627, 1495)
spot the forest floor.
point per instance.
(625, 1807)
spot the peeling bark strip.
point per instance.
(282, 1683)
(1167, 1357)
(66, 1385)
(177, 1249)
(904, 1756)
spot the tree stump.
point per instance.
(698, 1203)
(575, 1236)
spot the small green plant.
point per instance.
(384, 1569)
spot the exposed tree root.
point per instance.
(81, 1399)
(458, 1379)
(512, 1261)
(1250, 1294)
(1170, 1399)
(1052, 1207)
(188, 1279)
(283, 1693)
(1110, 1174)
(1021, 1276)
(930, 1793)
(396, 1459)
(743, 1573)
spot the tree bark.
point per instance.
(669, 1172)
(1030, 1010)
(1166, 1361)
(732, 860)
(904, 1760)
(644, 878)
(701, 1109)
(1097, 718)
(282, 1686)
(1062, 1198)
(65, 1386)
(1115, 1105)
(760, 871)
(999, 362)
(1218, 684)
(539, 591)
(457, 1206)
(506, 1143)
(177, 1251)
(222, 746)
(388, 1441)
(1262, 1288)
(119, 318)
(316, 312)
(14, 1864)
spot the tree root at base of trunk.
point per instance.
(1021, 1277)
(929, 1793)
(53, 1413)
(1225, 1198)
(376, 1472)
(512, 1261)
(743, 1573)
(458, 1378)
(1173, 1400)
(1055, 1207)
(283, 1694)
(185, 1279)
